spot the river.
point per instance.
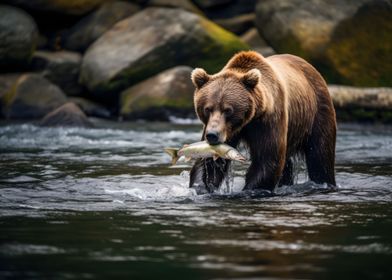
(105, 203)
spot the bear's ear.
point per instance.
(199, 77)
(251, 78)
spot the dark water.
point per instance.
(104, 204)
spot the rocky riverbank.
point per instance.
(132, 59)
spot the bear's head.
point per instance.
(225, 102)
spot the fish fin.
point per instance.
(173, 153)
(215, 157)
(187, 159)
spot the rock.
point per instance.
(362, 104)
(61, 68)
(342, 39)
(6, 82)
(90, 108)
(226, 8)
(68, 114)
(238, 24)
(157, 98)
(18, 37)
(182, 4)
(205, 4)
(71, 7)
(253, 39)
(90, 28)
(32, 96)
(151, 41)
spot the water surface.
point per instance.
(104, 203)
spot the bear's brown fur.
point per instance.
(279, 106)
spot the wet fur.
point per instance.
(287, 112)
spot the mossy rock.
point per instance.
(360, 49)
(32, 96)
(348, 41)
(151, 41)
(159, 97)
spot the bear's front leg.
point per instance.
(268, 154)
(262, 176)
(207, 175)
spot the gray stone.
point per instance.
(61, 68)
(182, 4)
(169, 93)
(68, 114)
(90, 28)
(151, 41)
(362, 104)
(238, 24)
(18, 37)
(90, 108)
(70, 7)
(32, 96)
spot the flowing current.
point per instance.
(105, 203)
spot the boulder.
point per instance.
(205, 4)
(90, 28)
(61, 68)
(362, 104)
(238, 24)
(215, 9)
(151, 41)
(90, 108)
(70, 7)
(6, 82)
(182, 4)
(169, 93)
(68, 114)
(18, 37)
(32, 96)
(254, 40)
(349, 41)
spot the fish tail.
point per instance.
(173, 153)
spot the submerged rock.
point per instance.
(362, 104)
(18, 37)
(71, 7)
(151, 41)
(61, 68)
(349, 41)
(68, 114)
(90, 28)
(32, 96)
(168, 94)
(90, 108)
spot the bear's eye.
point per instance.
(207, 110)
(228, 111)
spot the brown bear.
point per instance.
(279, 107)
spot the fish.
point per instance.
(204, 150)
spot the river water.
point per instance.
(104, 203)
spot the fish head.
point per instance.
(235, 155)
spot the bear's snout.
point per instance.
(212, 137)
